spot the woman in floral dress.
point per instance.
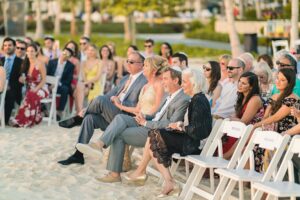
(34, 77)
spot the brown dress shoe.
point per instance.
(109, 179)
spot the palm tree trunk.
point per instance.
(258, 9)
(127, 34)
(73, 20)
(39, 22)
(133, 30)
(234, 39)
(294, 21)
(241, 9)
(57, 29)
(88, 22)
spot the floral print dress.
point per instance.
(29, 113)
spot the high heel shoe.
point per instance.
(137, 181)
(174, 193)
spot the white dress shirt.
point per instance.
(167, 102)
(225, 103)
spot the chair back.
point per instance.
(234, 129)
(102, 83)
(267, 140)
(2, 103)
(284, 44)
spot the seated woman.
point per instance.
(75, 61)
(34, 77)
(265, 77)
(248, 109)
(186, 137)
(212, 73)
(108, 67)
(166, 51)
(278, 112)
(150, 97)
(2, 79)
(90, 84)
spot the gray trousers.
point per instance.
(121, 131)
(99, 114)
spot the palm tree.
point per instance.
(258, 9)
(88, 22)
(241, 9)
(73, 4)
(234, 39)
(294, 20)
(57, 29)
(39, 31)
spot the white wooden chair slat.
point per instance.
(2, 105)
(52, 80)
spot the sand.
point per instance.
(29, 168)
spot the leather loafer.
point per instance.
(109, 179)
(72, 160)
(71, 122)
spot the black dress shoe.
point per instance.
(72, 160)
(71, 122)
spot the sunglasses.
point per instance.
(147, 46)
(206, 68)
(21, 48)
(131, 62)
(282, 64)
(230, 68)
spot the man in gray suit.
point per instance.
(102, 110)
(125, 129)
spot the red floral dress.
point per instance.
(29, 113)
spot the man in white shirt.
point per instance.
(84, 44)
(224, 107)
(180, 59)
(134, 131)
(149, 48)
(51, 50)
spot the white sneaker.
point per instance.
(89, 149)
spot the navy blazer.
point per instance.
(13, 82)
(67, 75)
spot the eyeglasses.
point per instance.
(21, 48)
(282, 64)
(205, 68)
(82, 43)
(230, 68)
(131, 62)
(147, 46)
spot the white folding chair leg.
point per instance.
(221, 187)
(228, 190)
(241, 190)
(187, 168)
(212, 180)
(2, 119)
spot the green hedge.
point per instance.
(198, 52)
(110, 27)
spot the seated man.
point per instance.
(180, 59)
(102, 110)
(224, 107)
(125, 129)
(62, 68)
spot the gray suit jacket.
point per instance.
(173, 113)
(133, 93)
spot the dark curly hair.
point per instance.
(290, 76)
(215, 76)
(253, 82)
(110, 55)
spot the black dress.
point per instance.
(164, 143)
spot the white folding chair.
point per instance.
(279, 188)
(2, 103)
(202, 162)
(277, 45)
(102, 83)
(179, 158)
(268, 140)
(51, 100)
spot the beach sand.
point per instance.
(29, 169)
